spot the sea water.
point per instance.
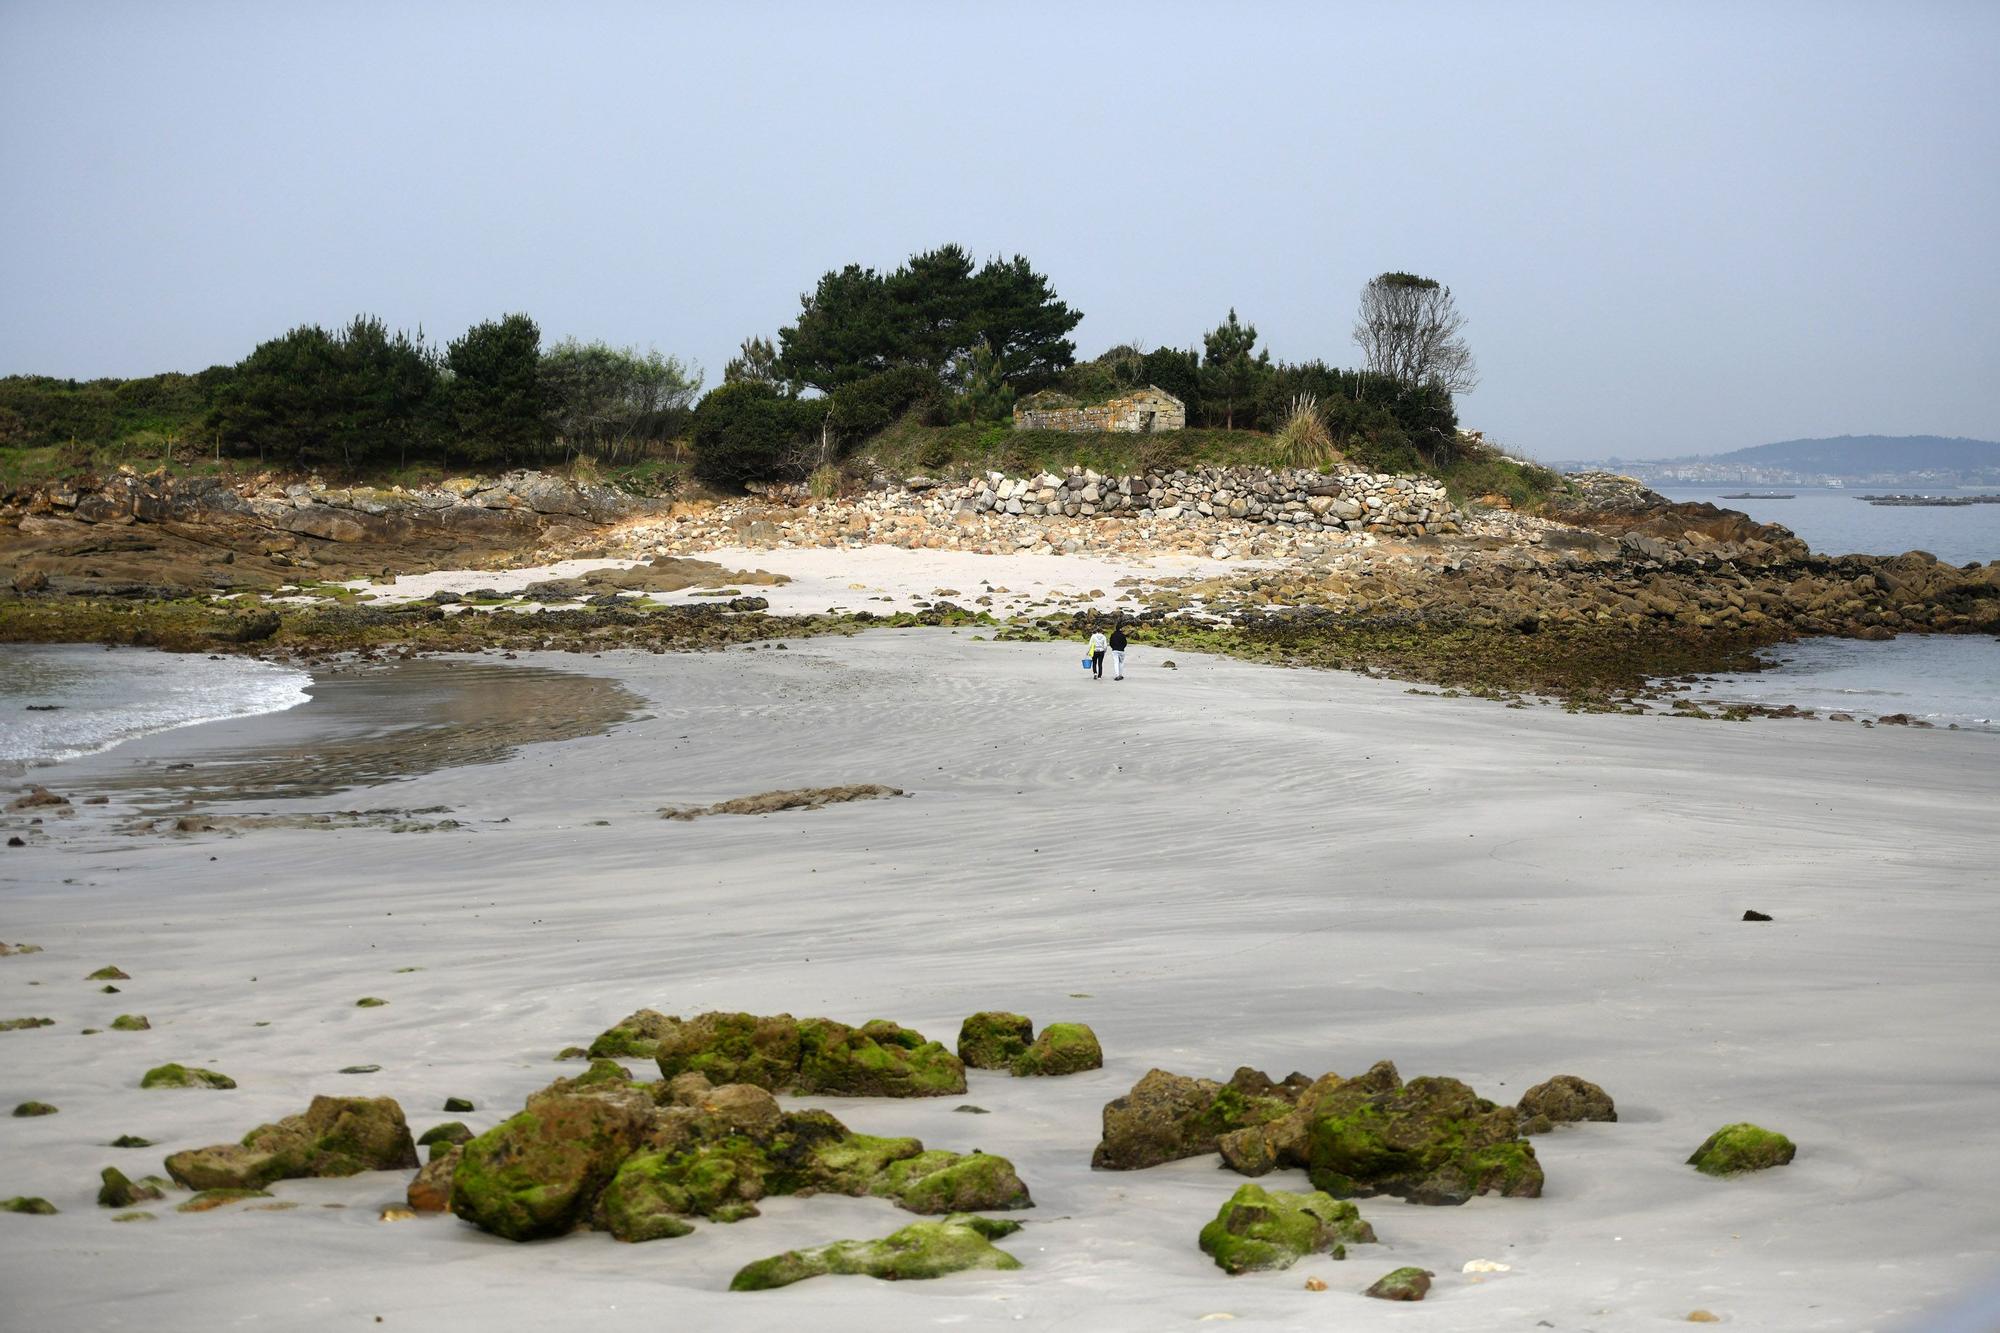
(59, 701)
(1944, 679)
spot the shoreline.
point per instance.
(1214, 866)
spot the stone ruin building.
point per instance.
(1144, 411)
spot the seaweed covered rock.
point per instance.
(1431, 1140)
(130, 1023)
(1735, 1149)
(539, 1172)
(636, 1036)
(1402, 1284)
(1170, 1116)
(921, 1250)
(1259, 1229)
(733, 1048)
(1062, 1048)
(716, 1154)
(336, 1136)
(119, 1191)
(877, 1059)
(1256, 1149)
(814, 1055)
(430, 1192)
(28, 1109)
(441, 1139)
(992, 1038)
(180, 1076)
(25, 1024)
(28, 1203)
(1563, 1100)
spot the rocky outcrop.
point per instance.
(1265, 1229)
(812, 1055)
(335, 1136)
(920, 1250)
(1170, 1116)
(992, 1038)
(1563, 1100)
(1431, 1140)
(1735, 1149)
(539, 1173)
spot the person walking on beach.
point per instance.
(1118, 651)
(1098, 646)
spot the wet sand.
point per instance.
(1225, 864)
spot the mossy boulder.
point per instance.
(28, 1203)
(1169, 1116)
(109, 974)
(1260, 1229)
(430, 1191)
(180, 1076)
(1402, 1284)
(119, 1191)
(25, 1024)
(131, 1141)
(336, 1136)
(1062, 1048)
(27, 1109)
(539, 1172)
(440, 1139)
(1735, 1149)
(458, 1104)
(635, 1037)
(947, 1182)
(130, 1023)
(877, 1059)
(1564, 1099)
(992, 1038)
(921, 1250)
(1431, 1140)
(733, 1048)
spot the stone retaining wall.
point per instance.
(1300, 499)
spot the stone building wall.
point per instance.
(1146, 411)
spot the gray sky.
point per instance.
(1685, 229)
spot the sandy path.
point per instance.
(1222, 865)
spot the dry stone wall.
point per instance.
(1303, 500)
(1148, 411)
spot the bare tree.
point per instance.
(1408, 328)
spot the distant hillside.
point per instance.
(1851, 454)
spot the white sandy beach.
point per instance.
(1221, 865)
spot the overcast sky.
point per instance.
(1683, 230)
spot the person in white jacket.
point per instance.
(1099, 645)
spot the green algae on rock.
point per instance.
(109, 974)
(28, 1203)
(25, 1024)
(130, 1023)
(370, 1002)
(1735, 1149)
(458, 1104)
(1563, 1100)
(1062, 1048)
(1402, 1284)
(955, 1244)
(336, 1136)
(119, 1190)
(1431, 1140)
(538, 1172)
(1264, 1229)
(992, 1038)
(180, 1076)
(1170, 1116)
(131, 1141)
(441, 1137)
(27, 1109)
(813, 1055)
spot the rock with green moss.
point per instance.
(25, 1024)
(1735, 1149)
(948, 1182)
(1564, 1099)
(27, 1109)
(131, 1023)
(1062, 1048)
(1170, 1116)
(131, 1141)
(441, 1138)
(1260, 1229)
(733, 1048)
(180, 1076)
(28, 1203)
(877, 1059)
(571, 1053)
(921, 1250)
(209, 1200)
(992, 1038)
(458, 1104)
(335, 1136)
(1431, 1140)
(370, 1002)
(119, 1191)
(109, 974)
(636, 1037)
(1402, 1284)
(540, 1172)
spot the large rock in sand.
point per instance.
(813, 1055)
(1432, 1140)
(992, 1038)
(336, 1136)
(636, 1036)
(732, 1048)
(1261, 1229)
(920, 1250)
(539, 1172)
(1564, 1100)
(1062, 1048)
(1735, 1149)
(1170, 1116)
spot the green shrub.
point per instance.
(747, 431)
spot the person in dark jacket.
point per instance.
(1118, 651)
